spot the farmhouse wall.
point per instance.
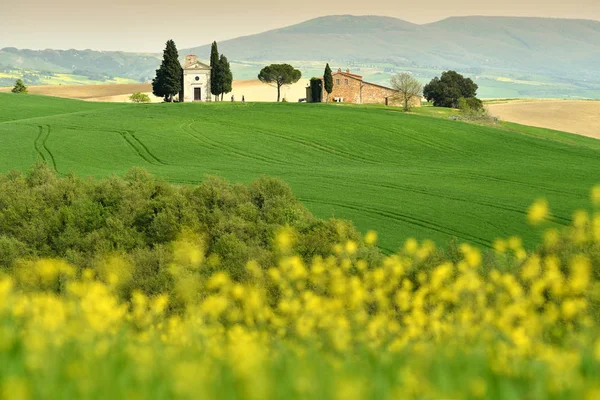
(352, 89)
(376, 94)
(346, 87)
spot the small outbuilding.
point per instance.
(350, 88)
(196, 80)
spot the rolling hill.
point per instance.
(509, 56)
(403, 175)
(97, 65)
(567, 48)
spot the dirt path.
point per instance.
(574, 116)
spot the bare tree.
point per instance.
(408, 88)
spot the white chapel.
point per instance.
(196, 80)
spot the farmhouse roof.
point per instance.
(379, 86)
(360, 78)
(347, 73)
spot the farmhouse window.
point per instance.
(337, 81)
(346, 81)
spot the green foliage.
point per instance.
(168, 80)
(473, 109)
(226, 77)
(316, 87)
(19, 87)
(279, 74)
(445, 91)
(470, 104)
(328, 81)
(139, 98)
(215, 71)
(221, 77)
(137, 217)
(403, 175)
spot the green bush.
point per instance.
(19, 87)
(138, 217)
(139, 98)
(470, 104)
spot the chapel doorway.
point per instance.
(197, 94)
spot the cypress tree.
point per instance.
(168, 76)
(215, 71)
(226, 76)
(328, 81)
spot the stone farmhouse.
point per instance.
(196, 80)
(350, 88)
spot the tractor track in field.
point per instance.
(417, 139)
(140, 148)
(399, 217)
(471, 175)
(226, 149)
(41, 145)
(315, 146)
(556, 218)
(319, 147)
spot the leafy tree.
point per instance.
(408, 88)
(446, 90)
(316, 88)
(215, 71)
(328, 80)
(19, 87)
(226, 77)
(139, 98)
(279, 75)
(168, 77)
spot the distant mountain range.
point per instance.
(85, 62)
(563, 52)
(564, 47)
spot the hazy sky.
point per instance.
(144, 25)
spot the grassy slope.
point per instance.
(403, 175)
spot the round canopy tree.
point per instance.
(446, 90)
(279, 75)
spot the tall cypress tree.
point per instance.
(168, 76)
(328, 81)
(215, 71)
(226, 76)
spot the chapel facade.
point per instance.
(196, 80)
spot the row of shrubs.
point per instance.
(137, 217)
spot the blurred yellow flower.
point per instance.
(538, 212)
(595, 195)
(371, 238)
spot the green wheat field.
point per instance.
(400, 174)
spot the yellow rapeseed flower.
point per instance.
(351, 247)
(595, 195)
(580, 273)
(500, 246)
(371, 238)
(410, 246)
(538, 212)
